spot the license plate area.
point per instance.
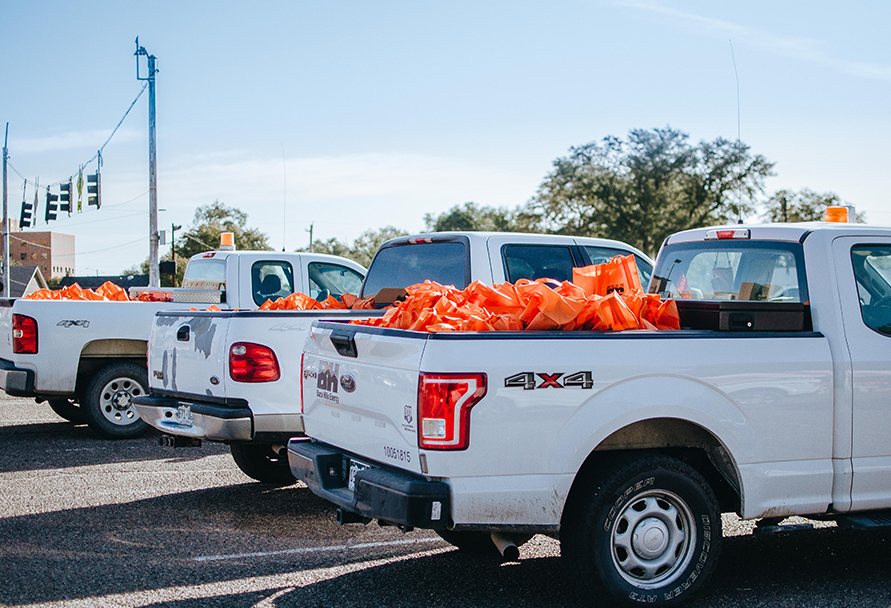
(184, 415)
(355, 467)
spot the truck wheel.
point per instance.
(260, 462)
(108, 400)
(647, 532)
(68, 410)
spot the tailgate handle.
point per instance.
(182, 334)
(345, 344)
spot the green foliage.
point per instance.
(471, 217)
(212, 220)
(363, 248)
(204, 235)
(643, 189)
(802, 206)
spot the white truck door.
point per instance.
(865, 298)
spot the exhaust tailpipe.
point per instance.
(506, 546)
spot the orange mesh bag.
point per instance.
(110, 291)
(619, 274)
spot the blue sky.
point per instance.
(356, 115)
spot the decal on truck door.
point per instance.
(327, 381)
(532, 380)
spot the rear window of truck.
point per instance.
(731, 270)
(399, 266)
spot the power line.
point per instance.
(98, 154)
(139, 240)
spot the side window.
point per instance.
(538, 262)
(602, 255)
(332, 280)
(271, 280)
(872, 271)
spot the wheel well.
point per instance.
(680, 439)
(99, 353)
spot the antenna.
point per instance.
(738, 142)
(285, 195)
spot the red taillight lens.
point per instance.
(24, 335)
(250, 362)
(444, 402)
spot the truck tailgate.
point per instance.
(187, 353)
(360, 390)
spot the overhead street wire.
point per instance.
(98, 154)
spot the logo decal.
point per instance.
(71, 323)
(348, 383)
(528, 381)
(408, 414)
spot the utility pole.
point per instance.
(173, 229)
(309, 230)
(5, 219)
(154, 238)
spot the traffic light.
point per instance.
(50, 211)
(64, 197)
(25, 219)
(93, 187)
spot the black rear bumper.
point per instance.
(15, 381)
(390, 495)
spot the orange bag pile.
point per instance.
(299, 301)
(602, 297)
(108, 291)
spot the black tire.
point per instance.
(261, 462)
(648, 532)
(108, 400)
(68, 410)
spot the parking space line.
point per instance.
(278, 584)
(304, 550)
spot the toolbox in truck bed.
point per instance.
(738, 315)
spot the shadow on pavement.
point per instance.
(54, 445)
(153, 543)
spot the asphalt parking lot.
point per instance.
(86, 521)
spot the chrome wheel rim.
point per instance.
(652, 539)
(116, 400)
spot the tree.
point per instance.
(212, 220)
(471, 217)
(802, 206)
(363, 248)
(204, 235)
(643, 189)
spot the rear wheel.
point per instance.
(68, 410)
(648, 532)
(261, 462)
(108, 400)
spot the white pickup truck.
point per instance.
(773, 400)
(88, 358)
(235, 376)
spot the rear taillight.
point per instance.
(24, 335)
(733, 233)
(250, 362)
(444, 402)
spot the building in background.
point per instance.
(23, 281)
(52, 252)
